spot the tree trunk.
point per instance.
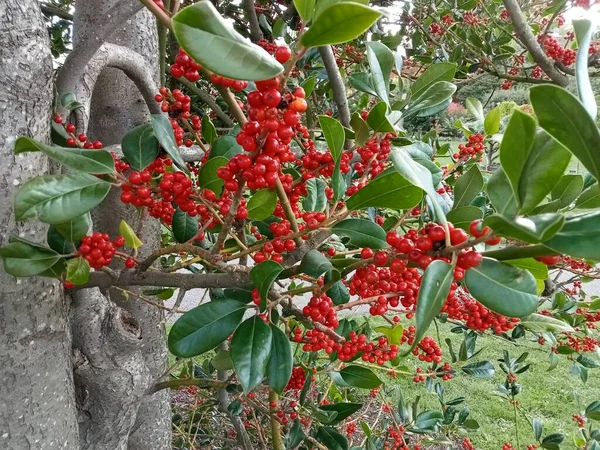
(116, 108)
(37, 403)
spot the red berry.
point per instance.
(118, 242)
(130, 263)
(549, 260)
(68, 285)
(458, 236)
(437, 233)
(366, 253)
(380, 258)
(283, 54)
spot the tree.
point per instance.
(282, 199)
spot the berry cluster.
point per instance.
(320, 309)
(236, 85)
(579, 420)
(98, 250)
(184, 66)
(428, 350)
(556, 51)
(298, 378)
(473, 149)
(74, 140)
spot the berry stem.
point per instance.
(287, 208)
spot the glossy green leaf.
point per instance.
(463, 216)
(22, 258)
(140, 147)
(225, 146)
(90, 161)
(429, 420)
(184, 226)
(75, 229)
(163, 130)
(59, 198)
(362, 82)
(378, 119)
(78, 271)
(392, 332)
(593, 410)
(467, 187)
(436, 109)
(360, 377)
(501, 194)
(567, 121)
(533, 229)
(434, 95)
(279, 367)
(538, 427)
(503, 288)
(435, 286)
(579, 237)
(381, 61)
(479, 369)
(203, 328)
(475, 107)
(343, 410)
(565, 192)
(250, 349)
(331, 439)
(362, 233)
(57, 242)
(305, 9)
(491, 124)
(208, 177)
(334, 135)
(211, 41)
(339, 23)
(538, 269)
(263, 276)
(541, 323)
(584, 31)
(262, 204)
(131, 239)
(316, 198)
(388, 190)
(295, 435)
(309, 85)
(590, 198)
(433, 74)
(222, 360)
(361, 129)
(338, 293)
(209, 133)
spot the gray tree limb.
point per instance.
(255, 31)
(205, 97)
(337, 84)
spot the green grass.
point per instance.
(551, 396)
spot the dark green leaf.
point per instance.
(22, 258)
(315, 199)
(503, 288)
(279, 367)
(378, 119)
(59, 198)
(208, 177)
(593, 410)
(225, 146)
(381, 61)
(163, 130)
(338, 292)
(78, 271)
(467, 187)
(533, 229)
(262, 204)
(463, 216)
(479, 369)
(295, 435)
(57, 242)
(334, 135)
(362, 233)
(203, 328)
(184, 226)
(90, 161)
(263, 276)
(590, 198)
(436, 94)
(361, 129)
(339, 23)
(538, 428)
(343, 410)
(315, 264)
(579, 237)
(331, 439)
(140, 147)
(388, 190)
(209, 133)
(501, 194)
(429, 420)
(212, 42)
(250, 350)
(360, 377)
(433, 74)
(235, 408)
(75, 229)
(222, 360)
(362, 82)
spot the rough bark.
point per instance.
(337, 84)
(37, 406)
(116, 107)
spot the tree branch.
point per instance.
(255, 32)
(337, 84)
(52, 10)
(523, 32)
(202, 383)
(207, 98)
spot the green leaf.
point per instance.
(57, 242)
(541, 323)
(463, 216)
(262, 204)
(551, 441)
(212, 42)
(567, 121)
(378, 120)
(226, 146)
(78, 271)
(436, 94)
(250, 350)
(381, 61)
(476, 108)
(429, 420)
(209, 133)
(315, 199)
(593, 410)
(334, 135)
(59, 198)
(305, 9)
(579, 237)
(360, 377)
(433, 74)
(388, 190)
(309, 85)
(467, 187)
(279, 28)
(338, 292)
(362, 233)
(361, 129)
(343, 410)
(203, 328)
(263, 276)
(331, 439)
(393, 333)
(538, 269)
(565, 192)
(315, 264)
(184, 226)
(362, 82)
(491, 124)
(533, 229)
(90, 161)
(339, 23)
(501, 194)
(140, 147)
(75, 229)
(295, 435)
(222, 360)
(590, 198)
(435, 286)
(503, 288)
(131, 239)
(584, 31)
(208, 178)
(279, 367)
(479, 369)
(163, 130)
(22, 258)
(538, 428)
